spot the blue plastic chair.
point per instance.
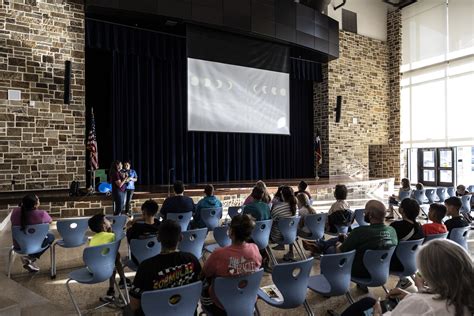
(335, 277)
(211, 217)
(261, 233)
(73, 234)
(420, 196)
(470, 188)
(430, 195)
(404, 195)
(105, 187)
(30, 241)
(235, 210)
(359, 218)
(222, 239)
(182, 219)
(316, 224)
(406, 253)
(175, 301)
(238, 294)
(291, 279)
(451, 191)
(288, 227)
(460, 236)
(193, 241)
(118, 224)
(466, 204)
(100, 264)
(442, 194)
(377, 262)
(435, 236)
(143, 249)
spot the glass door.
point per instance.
(436, 166)
(445, 167)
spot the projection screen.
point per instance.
(229, 98)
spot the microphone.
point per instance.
(169, 180)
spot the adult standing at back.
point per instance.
(179, 203)
(119, 181)
(209, 201)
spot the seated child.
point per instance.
(339, 214)
(436, 214)
(102, 228)
(457, 220)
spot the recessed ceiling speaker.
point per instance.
(338, 108)
(67, 82)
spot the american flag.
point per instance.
(317, 150)
(92, 145)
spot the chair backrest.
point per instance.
(336, 268)
(406, 253)
(100, 260)
(435, 236)
(430, 195)
(359, 217)
(237, 294)
(73, 231)
(291, 279)
(342, 229)
(460, 235)
(404, 195)
(451, 191)
(441, 192)
(288, 227)
(118, 224)
(180, 300)
(30, 240)
(466, 203)
(211, 216)
(234, 210)
(377, 262)
(419, 196)
(470, 188)
(193, 241)
(143, 249)
(182, 219)
(316, 224)
(261, 233)
(221, 236)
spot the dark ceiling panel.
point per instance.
(237, 14)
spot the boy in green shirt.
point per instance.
(376, 236)
(102, 228)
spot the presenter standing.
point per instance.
(118, 181)
(130, 186)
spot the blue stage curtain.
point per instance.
(136, 82)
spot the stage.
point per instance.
(60, 205)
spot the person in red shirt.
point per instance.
(240, 258)
(436, 214)
(119, 183)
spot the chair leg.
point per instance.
(120, 292)
(300, 250)
(349, 298)
(270, 254)
(53, 260)
(72, 297)
(385, 289)
(308, 308)
(11, 258)
(257, 311)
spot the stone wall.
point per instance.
(41, 139)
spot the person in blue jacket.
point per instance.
(130, 188)
(209, 201)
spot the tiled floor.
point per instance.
(52, 297)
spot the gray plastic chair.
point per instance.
(291, 279)
(221, 237)
(404, 195)
(451, 191)
(377, 262)
(435, 236)
(359, 217)
(420, 196)
(442, 194)
(261, 233)
(100, 264)
(234, 210)
(182, 219)
(430, 195)
(466, 204)
(73, 234)
(143, 249)
(118, 224)
(238, 294)
(193, 241)
(288, 227)
(316, 224)
(211, 217)
(30, 241)
(406, 253)
(176, 301)
(470, 188)
(335, 277)
(460, 236)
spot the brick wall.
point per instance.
(41, 145)
(366, 75)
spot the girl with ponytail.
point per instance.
(285, 209)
